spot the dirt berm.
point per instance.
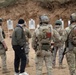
(33, 9)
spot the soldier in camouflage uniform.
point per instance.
(70, 48)
(3, 49)
(43, 52)
(58, 45)
(28, 36)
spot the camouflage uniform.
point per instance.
(28, 36)
(43, 55)
(2, 52)
(59, 46)
(71, 54)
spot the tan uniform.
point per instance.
(28, 36)
(58, 47)
(43, 55)
(2, 52)
(71, 55)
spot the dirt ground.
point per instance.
(31, 70)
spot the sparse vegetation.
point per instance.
(6, 3)
(44, 3)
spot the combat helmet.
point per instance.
(73, 17)
(58, 22)
(44, 19)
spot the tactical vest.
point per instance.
(72, 36)
(44, 35)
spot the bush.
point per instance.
(6, 3)
(52, 4)
(48, 4)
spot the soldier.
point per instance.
(58, 45)
(41, 43)
(70, 38)
(3, 49)
(28, 36)
(18, 44)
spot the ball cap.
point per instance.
(21, 21)
(58, 22)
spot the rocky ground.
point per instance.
(31, 70)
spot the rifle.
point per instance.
(68, 43)
(67, 48)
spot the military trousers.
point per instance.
(4, 65)
(27, 49)
(61, 50)
(3, 57)
(71, 60)
(44, 57)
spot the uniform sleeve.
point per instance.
(1, 37)
(56, 36)
(29, 34)
(33, 40)
(65, 35)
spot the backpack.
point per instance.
(72, 36)
(44, 35)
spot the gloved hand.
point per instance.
(52, 50)
(23, 47)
